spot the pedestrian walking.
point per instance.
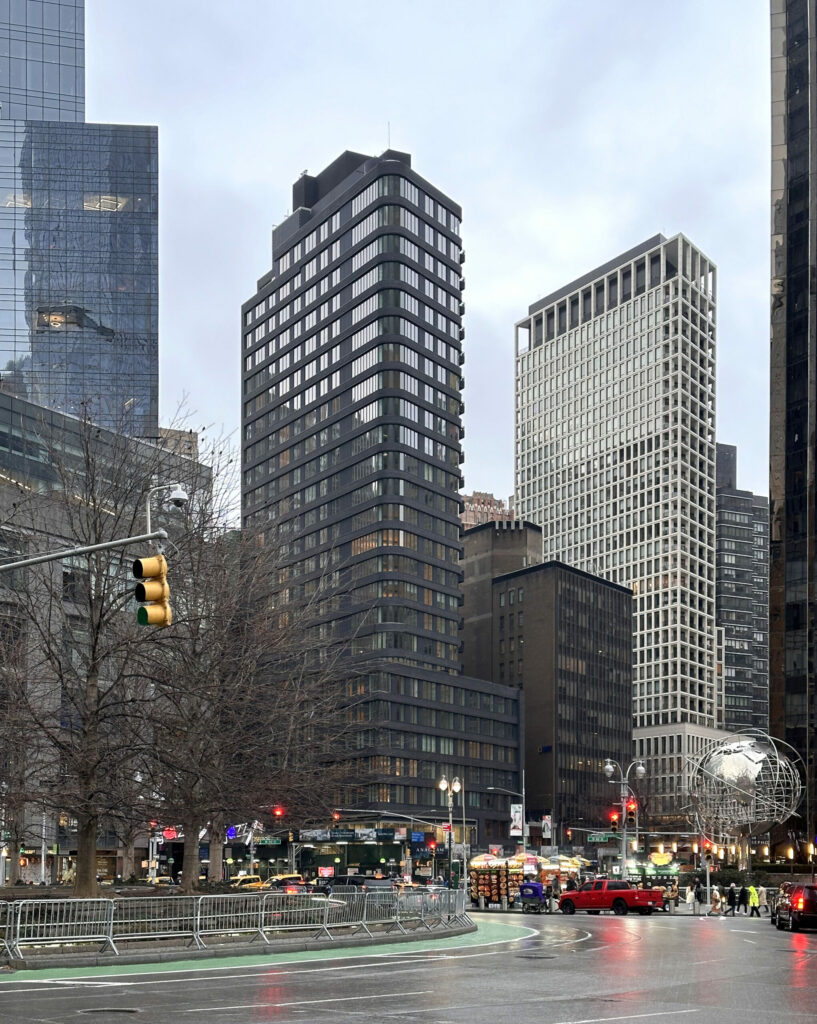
(762, 899)
(689, 899)
(715, 906)
(731, 900)
(743, 899)
(754, 904)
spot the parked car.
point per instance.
(797, 908)
(164, 880)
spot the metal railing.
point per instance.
(110, 922)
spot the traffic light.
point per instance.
(631, 810)
(569, 834)
(278, 811)
(335, 815)
(153, 593)
(614, 816)
(432, 845)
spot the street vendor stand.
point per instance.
(491, 879)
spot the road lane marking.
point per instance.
(274, 962)
(627, 1016)
(310, 1002)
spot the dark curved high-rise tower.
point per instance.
(792, 440)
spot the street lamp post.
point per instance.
(450, 788)
(464, 861)
(178, 497)
(623, 781)
(513, 792)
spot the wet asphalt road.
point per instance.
(577, 970)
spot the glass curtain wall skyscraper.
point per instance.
(615, 460)
(78, 232)
(793, 399)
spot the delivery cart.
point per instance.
(534, 897)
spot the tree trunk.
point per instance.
(216, 869)
(13, 858)
(85, 884)
(128, 858)
(191, 868)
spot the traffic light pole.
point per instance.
(55, 556)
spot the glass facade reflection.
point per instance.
(78, 232)
(42, 60)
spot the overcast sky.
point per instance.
(568, 130)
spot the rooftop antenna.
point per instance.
(388, 134)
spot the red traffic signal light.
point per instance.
(278, 811)
(432, 845)
(335, 815)
(614, 817)
(569, 833)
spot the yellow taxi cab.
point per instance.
(247, 883)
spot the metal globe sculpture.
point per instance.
(743, 785)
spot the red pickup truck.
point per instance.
(610, 894)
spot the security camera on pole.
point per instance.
(623, 781)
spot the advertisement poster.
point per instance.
(516, 820)
(547, 826)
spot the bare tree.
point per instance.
(77, 680)
(249, 705)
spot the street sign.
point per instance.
(601, 837)
(268, 841)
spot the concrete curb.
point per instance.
(168, 954)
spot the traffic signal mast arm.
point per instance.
(55, 556)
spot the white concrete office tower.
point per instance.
(615, 460)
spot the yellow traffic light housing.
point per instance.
(153, 592)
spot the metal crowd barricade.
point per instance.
(410, 908)
(6, 922)
(345, 909)
(156, 917)
(230, 915)
(282, 912)
(50, 922)
(381, 909)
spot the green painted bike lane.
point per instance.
(488, 933)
